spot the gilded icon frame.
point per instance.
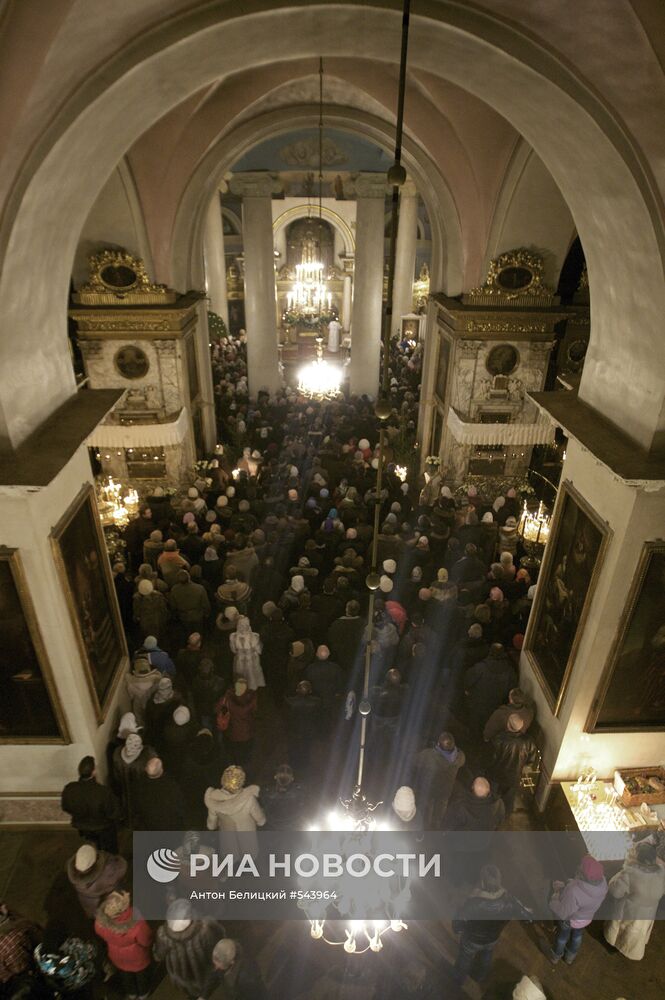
(101, 698)
(567, 493)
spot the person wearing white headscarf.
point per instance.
(246, 648)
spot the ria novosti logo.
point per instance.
(163, 865)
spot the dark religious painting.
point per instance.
(567, 579)
(444, 364)
(29, 709)
(632, 693)
(80, 552)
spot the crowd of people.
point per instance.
(246, 610)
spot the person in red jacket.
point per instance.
(240, 704)
(128, 940)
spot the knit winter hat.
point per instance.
(268, 608)
(156, 535)
(199, 504)
(192, 493)
(132, 748)
(222, 501)
(145, 588)
(592, 869)
(150, 642)
(385, 584)
(297, 583)
(487, 518)
(243, 506)
(127, 725)
(181, 715)
(230, 492)
(210, 516)
(389, 566)
(85, 858)
(363, 444)
(475, 631)
(404, 803)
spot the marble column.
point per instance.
(405, 254)
(346, 303)
(371, 192)
(256, 189)
(214, 259)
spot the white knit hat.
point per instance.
(145, 587)
(385, 584)
(404, 803)
(85, 858)
(297, 583)
(389, 565)
(181, 715)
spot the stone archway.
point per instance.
(602, 175)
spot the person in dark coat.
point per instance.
(235, 976)
(519, 703)
(188, 659)
(472, 649)
(179, 731)
(328, 605)
(160, 805)
(435, 773)
(276, 638)
(326, 679)
(185, 945)
(284, 802)
(124, 589)
(480, 922)
(469, 569)
(94, 874)
(199, 769)
(94, 809)
(477, 808)
(345, 637)
(207, 688)
(304, 720)
(512, 750)
(488, 684)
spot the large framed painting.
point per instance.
(568, 577)
(85, 572)
(631, 695)
(29, 708)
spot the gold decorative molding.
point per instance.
(492, 326)
(118, 278)
(515, 278)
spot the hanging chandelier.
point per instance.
(357, 814)
(319, 379)
(309, 296)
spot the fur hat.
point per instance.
(150, 642)
(592, 869)
(224, 953)
(116, 903)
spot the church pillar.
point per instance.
(215, 261)
(368, 284)
(346, 303)
(405, 255)
(260, 315)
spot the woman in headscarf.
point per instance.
(246, 648)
